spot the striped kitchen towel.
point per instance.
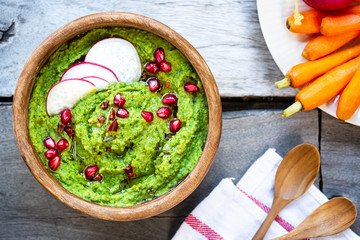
(237, 211)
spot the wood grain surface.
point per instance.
(29, 212)
(332, 217)
(296, 173)
(21, 126)
(340, 146)
(226, 33)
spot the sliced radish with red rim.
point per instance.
(65, 94)
(99, 83)
(119, 55)
(88, 69)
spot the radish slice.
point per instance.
(66, 94)
(119, 55)
(86, 69)
(98, 82)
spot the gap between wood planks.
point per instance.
(6, 101)
(251, 103)
(243, 103)
(319, 144)
(248, 103)
(228, 103)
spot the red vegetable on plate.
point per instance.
(329, 4)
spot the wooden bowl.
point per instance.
(21, 103)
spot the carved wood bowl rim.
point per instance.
(20, 116)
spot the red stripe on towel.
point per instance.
(287, 226)
(202, 228)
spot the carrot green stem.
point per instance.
(283, 83)
(295, 107)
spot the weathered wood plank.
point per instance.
(226, 33)
(29, 211)
(340, 155)
(246, 135)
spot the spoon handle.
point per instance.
(284, 237)
(274, 211)
(330, 218)
(295, 234)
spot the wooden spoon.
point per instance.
(296, 173)
(334, 216)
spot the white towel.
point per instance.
(237, 211)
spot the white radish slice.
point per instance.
(65, 94)
(98, 82)
(85, 69)
(119, 55)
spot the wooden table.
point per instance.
(228, 35)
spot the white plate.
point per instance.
(286, 47)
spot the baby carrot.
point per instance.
(324, 45)
(305, 72)
(311, 22)
(324, 88)
(350, 98)
(339, 24)
(354, 9)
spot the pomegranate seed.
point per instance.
(119, 100)
(70, 132)
(159, 55)
(129, 171)
(164, 112)
(49, 143)
(114, 126)
(169, 99)
(122, 113)
(154, 84)
(98, 178)
(62, 144)
(152, 67)
(60, 127)
(104, 105)
(66, 116)
(148, 116)
(112, 114)
(101, 119)
(165, 66)
(51, 153)
(175, 125)
(54, 163)
(130, 175)
(91, 172)
(189, 87)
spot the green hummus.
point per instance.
(159, 159)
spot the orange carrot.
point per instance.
(355, 9)
(324, 88)
(305, 72)
(339, 24)
(350, 98)
(310, 19)
(324, 45)
(311, 22)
